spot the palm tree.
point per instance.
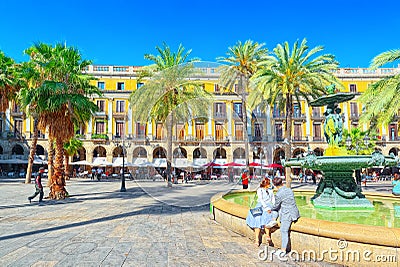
(169, 95)
(381, 99)
(30, 77)
(290, 75)
(70, 149)
(242, 62)
(7, 81)
(61, 101)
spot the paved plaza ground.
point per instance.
(149, 225)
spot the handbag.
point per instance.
(256, 211)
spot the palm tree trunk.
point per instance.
(32, 152)
(288, 135)
(66, 164)
(169, 148)
(57, 187)
(50, 161)
(242, 84)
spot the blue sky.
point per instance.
(120, 32)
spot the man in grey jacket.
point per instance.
(285, 204)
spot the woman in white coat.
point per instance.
(260, 217)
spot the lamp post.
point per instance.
(261, 151)
(122, 145)
(349, 141)
(366, 140)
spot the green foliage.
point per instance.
(54, 82)
(79, 136)
(358, 146)
(241, 59)
(382, 99)
(169, 91)
(8, 81)
(291, 75)
(100, 136)
(72, 146)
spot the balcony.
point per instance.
(278, 116)
(100, 115)
(13, 136)
(393, 139)
(40, 135)
(299, 117)
(299, 139)
(220, 116)
(138, 137)
(120, 115)
(17, 113)
(237, 116)
(256, 138)
(99, 137)
(238, 138)
(259, 114)
(80, 136)
(317, 116)
(318, 139)
(354, 116)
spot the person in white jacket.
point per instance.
(260, 217)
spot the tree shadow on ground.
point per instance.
(154, 209)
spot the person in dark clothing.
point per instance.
(38, 186)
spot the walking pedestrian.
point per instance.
(38, 187)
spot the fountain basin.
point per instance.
(316, 235)
(338, 189)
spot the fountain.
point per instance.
(338, 189)
(341, 219)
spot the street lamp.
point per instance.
(348, 141)
(123, 146)
(261, 151)
(366, 140)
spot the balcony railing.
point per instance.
(299, 139)
(17, 113)
(316, 116)
(99, 137)
(259, 114)
(12, 135)
(354, 116)
(278, 115)
(299, 116)
(219, 115)
(237, 116)
(100, 114)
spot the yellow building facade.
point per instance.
(219, 138)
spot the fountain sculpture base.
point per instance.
(338, 190)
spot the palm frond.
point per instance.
(385, 58)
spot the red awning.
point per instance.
(233, 164)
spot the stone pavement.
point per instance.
(149, 225)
